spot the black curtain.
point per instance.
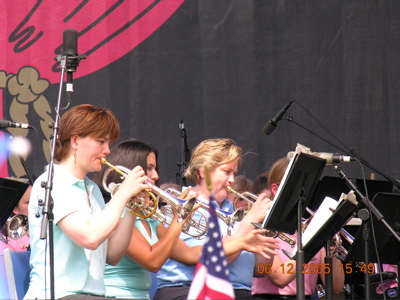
(226, 67)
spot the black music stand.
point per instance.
(388, 247)
(333, 187)
(11, 192)
(294, 193)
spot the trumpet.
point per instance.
(247, 196)
(112, 188)
(275, 234)
(17, 226)
(229, 218)
(195, 228)
(251, 198)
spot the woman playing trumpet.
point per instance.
(222, 158)
(152, 243)
(85, 232)
(241, 184)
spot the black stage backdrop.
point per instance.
(227, 67)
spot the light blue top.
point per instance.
(76, 270)
(128, 279)
(174, 273)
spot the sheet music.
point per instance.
(321, 216)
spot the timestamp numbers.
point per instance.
(290, 268)
(351, 269)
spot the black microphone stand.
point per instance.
(47, 210)
(182, 156)
(350, 153)
(366, 230)
(367, 203)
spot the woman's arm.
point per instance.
(152, 257)
(254, 241)
(337, 273)
(90, 232)
(256, 214)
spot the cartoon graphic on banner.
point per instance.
(107, 30)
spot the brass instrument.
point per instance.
(247, 196)
(195, 228)
(275, 234)
(112, 188)
(17, 226)
(251, 198)
(229, 218)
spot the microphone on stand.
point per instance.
(72, 58)
(184, 155)
(271, 125)
(330, 158)
(70, 49)
(9, 124)
(186, 148)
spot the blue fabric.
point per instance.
(76, 270)
(22, 269)
(174, 273)
(128, 279)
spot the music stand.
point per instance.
(328, 230)
(294, 193)
(299, 181)
(333, 187)
(387, 246)
(11, 192)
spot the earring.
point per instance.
(75, 157)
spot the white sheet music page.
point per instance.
(323, 213)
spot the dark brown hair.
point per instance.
(129, 154)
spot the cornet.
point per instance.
(17, 226)
(229, 218)
(251, 198)
(195, 228)
(112, 188)
(275, 234)
(247, 196)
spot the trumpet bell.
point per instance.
(17, 226)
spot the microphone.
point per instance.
(9, 124)
(271, 125)
(70, 50)
(183, 134)
(330, 158)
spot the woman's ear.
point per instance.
(274, 188)
(74, 142)
(16, 210)
(202, 174)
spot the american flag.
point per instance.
(211, 277)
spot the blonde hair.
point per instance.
(211, 154)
